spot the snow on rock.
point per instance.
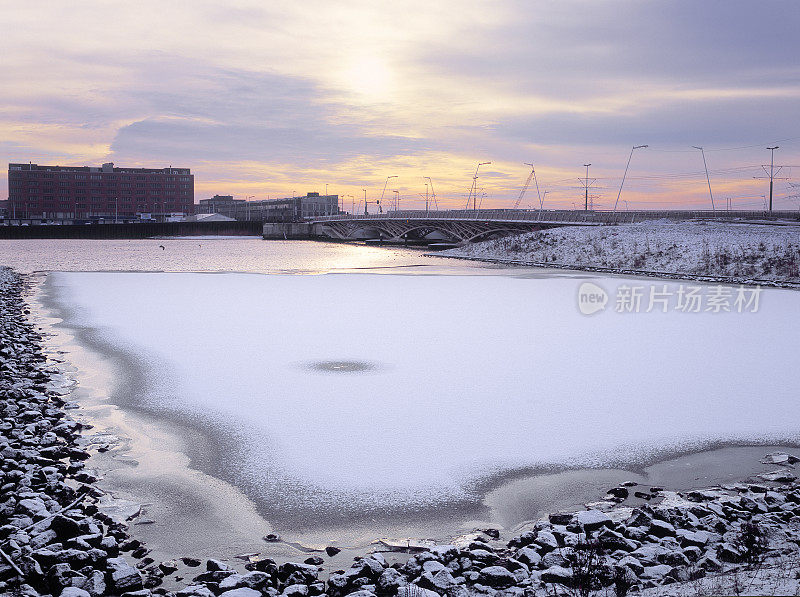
(743, 251)
(448, 378)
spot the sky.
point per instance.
(265, 99)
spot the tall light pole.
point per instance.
(384, 190)
(433, 194)
(771, 173)
(626, 172)
(708, 180)
(366, 213)
(474, 190)
(396, 200)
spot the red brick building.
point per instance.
(62, 192)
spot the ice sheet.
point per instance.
(463, 377)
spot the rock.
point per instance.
(64, 527)
(168, 567)
(557, 574)
(493, 533)
(314, 560)
(591, 520)
(194, 591)
(497, 577)
(619, 492)
(779, 476)
(780, 458)
(332, 551)
(632, 563)
(546, 541)
(660, 528)
(728, 553)
(74, 592)
(639, 518)
(215, 565)
(709, 563)
(415, 591)
(390, 580)
(124, 577)
(528, 556)
(561, 518)
(272, 538)
(612, 540)
(296, 590)
(695, 538)
(656, 572)
(191, 562)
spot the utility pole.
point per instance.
(771, 173)
(396, 200)
(365, 202)
(586, 185)
(708, 180)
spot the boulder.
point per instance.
(591, 520)
(74, 592)
(557, 574)
(124, 577)
(497, 577)
(661, 528)
(415, 591)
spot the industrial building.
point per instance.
(289, 209)
(95, 193)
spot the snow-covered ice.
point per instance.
(466, 376)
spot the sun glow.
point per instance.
(370, 78)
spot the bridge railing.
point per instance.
(552, 215)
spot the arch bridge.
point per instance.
(450, 226)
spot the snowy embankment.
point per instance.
(743, 252)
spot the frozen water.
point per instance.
(361, 390)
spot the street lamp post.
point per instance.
(626, 173)
(474, 189)
(384, 190)
(708, 180)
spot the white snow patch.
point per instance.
(472, 375)
(703, 248)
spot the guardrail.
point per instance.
(511, 215)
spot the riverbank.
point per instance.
(706, 251)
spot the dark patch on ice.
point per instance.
(341, 366)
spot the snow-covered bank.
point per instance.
(742, 252)
(353, 393)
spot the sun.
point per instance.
(370, 78)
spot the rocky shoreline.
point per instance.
(54, 539)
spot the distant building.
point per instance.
(218, 204)
(289, 209)
(71, 193)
